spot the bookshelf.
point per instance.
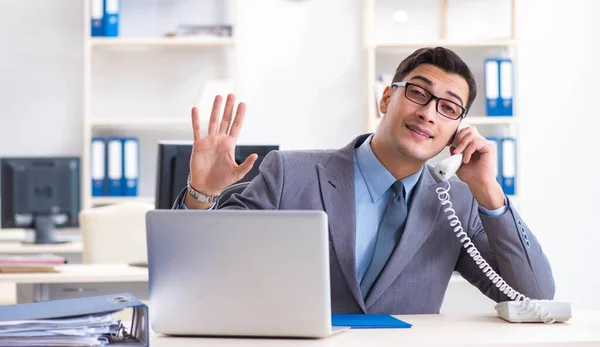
(474, 29)
(144, 82)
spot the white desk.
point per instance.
(11, 243)
(77, 280)
(432, 330)
(17, 247)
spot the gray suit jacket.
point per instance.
(415, 278)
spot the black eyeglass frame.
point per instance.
(431, 97)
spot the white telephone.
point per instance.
(522, 308)
(448, 167)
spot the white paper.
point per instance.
(90, 330)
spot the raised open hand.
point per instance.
(212, 164)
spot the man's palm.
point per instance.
(212, 165)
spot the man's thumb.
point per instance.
(246, 166)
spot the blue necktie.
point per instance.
(388, 236)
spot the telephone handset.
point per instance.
(522, 308)
(448, 167)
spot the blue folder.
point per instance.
(368, 321)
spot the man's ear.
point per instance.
(385, 99)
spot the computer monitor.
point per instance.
(173, 168)
(40, 193)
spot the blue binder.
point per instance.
(492, 87)
(115, 166)
(499, 86)
(97, 15)
(509, 165)
(498, 144)
(111, 17)
(73, 313)
(506, 87)
(98, 166)
(131, 166)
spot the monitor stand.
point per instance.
(45, 231)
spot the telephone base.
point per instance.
(512, 311)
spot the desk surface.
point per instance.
(433, 330)
(18, 247)
(81, 273)
(11, 242)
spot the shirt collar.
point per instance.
(377, 178)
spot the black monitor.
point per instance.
(40, 193)
(173, 168)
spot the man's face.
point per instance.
(416, 131)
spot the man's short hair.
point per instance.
(444, 59)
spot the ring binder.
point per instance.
(88, 321)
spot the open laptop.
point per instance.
(239, 273)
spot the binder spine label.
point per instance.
(98, 167)
(130, 172)
(115, 167)
(509, 166)
(492, 86)
(506, 87)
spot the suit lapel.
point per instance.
(336, 180)
(422, 215)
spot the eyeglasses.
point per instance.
(422, 96)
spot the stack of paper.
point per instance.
(90, 330)
(30, 263)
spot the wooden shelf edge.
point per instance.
(447, 43)
(108, 122)
(491, 120)
(160, 41)
(107, 200)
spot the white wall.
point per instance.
(41, 77)
(304, 89)
(303, 79)
(558, 89)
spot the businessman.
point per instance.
(392, 249)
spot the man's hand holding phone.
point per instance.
(478, 170)
(212, 164)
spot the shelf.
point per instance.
(112, 122)
(447, 43)
(479, 120)
(107, 200)
(161, 41)
(492, 120)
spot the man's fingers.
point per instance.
(246, 166)
(238, 120)
(227, 114)
(480, 146)
(464, 133)
(464, 141)
(468, 152)
(214, 115)
(196, 124)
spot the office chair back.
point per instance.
(115, 233)
(236, 188)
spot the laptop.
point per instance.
(239, 273)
